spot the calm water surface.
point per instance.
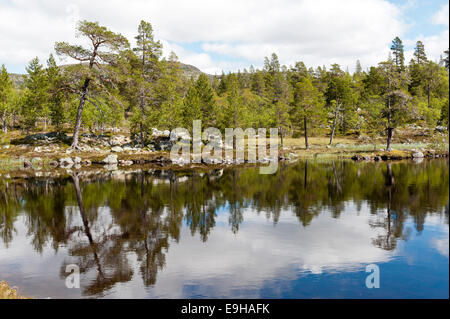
(308, 231)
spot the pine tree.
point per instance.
(308, 106)
(338, 96)
(191, 107)
(233, 110)
(399, 57)
(146, 70)
(396, 106)
(56, 94)
(419, 53)
(446, 60)
(101, 38)
(207, 101)
(358, 69)
(168, 91)
(6, 92)
(35, 95)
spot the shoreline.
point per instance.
(161, 159)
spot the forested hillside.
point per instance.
(118, 84)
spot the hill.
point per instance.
(188, 71)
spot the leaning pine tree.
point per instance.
(105, 48)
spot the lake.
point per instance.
(308, 231)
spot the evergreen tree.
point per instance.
(358, 69)
(6, 93)
(338, 96)
(56, 94)
(396, 106)
(105, 46)
(233, 110)
(398, 52)
(35, 95)
(308, 106)
(207, 100)
(191, 107)
(446, 60)
(420, 56)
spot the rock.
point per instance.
(377, 158)
(54, 164)
(162, 143)
(127, 149)
(111, 167)
(125, 162)
(110, 159)
(66, 161)
(27, 164)
(440, 129)
(86, 162)
(77, 160)
(6, 147)
(117, 149)
(357, 158)
(184, 136)
(417, 155)
(366, 158)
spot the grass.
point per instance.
(7, 292)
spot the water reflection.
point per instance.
(221, 233)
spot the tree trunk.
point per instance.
(334, 124)
(306, 132)
(281, 135)
(76, 131)
(5, 126)
(428, 95)
(390, 130)
(390, 133)
(142, 106)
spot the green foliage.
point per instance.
(207, 100)
(115, 85)
(398, 52)
(308, 104)
(57, 97)
(34, 103)
(6, 97)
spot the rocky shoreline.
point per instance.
(114, 150)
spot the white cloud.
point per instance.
(442, 16)
(214, 35)
(435, 45)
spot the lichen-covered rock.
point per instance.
(54, 163)
(417, 155)
(117, 149)
(66, 161)
(110, 159)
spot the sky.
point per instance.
(230, 35)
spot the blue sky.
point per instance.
(228, 35)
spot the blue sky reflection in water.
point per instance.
(307, 232)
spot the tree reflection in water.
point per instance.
(102, 219)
